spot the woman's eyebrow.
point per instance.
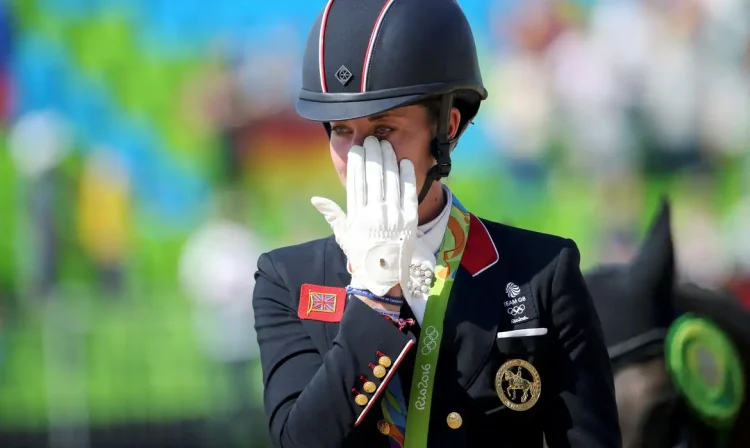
(377, 117)
(387, 114)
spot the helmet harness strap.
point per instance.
(440, 147)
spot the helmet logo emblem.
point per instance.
(343, 75)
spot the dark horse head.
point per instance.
(637, 304)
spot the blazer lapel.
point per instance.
(475, 304)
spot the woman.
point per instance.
(417, 324)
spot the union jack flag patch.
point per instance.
(322, 303)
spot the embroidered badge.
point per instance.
(322, 303)
(518, 385)
(512, 290)
(520, 305)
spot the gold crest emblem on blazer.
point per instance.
(518, 385)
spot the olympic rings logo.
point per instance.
(516, 310)
(429, 341)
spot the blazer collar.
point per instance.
(480, 253)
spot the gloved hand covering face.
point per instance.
(378, 233)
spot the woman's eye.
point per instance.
(339, 130)
(383, 130)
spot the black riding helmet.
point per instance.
(367, 57)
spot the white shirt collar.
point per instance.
(432, 232)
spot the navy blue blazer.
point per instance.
(317, 352)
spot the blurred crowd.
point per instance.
(151, 152)
(631, 85)
(623, 92)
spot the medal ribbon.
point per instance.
(428, 349)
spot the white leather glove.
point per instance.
(379, 232)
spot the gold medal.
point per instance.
(518, 385)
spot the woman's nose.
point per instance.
(358, 138)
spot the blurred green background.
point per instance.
(151, 152)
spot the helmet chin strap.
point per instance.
(440, 148)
